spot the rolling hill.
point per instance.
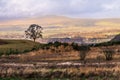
(8, 46)
(116, 38)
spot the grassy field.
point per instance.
(16, 46)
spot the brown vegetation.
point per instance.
(63, 61)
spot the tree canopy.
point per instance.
(34, 31)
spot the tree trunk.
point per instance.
(34, 39)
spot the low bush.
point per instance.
(108, 53)
(83, 51)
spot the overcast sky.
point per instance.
(15, 9)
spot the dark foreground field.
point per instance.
(57, 62)
(61, 71)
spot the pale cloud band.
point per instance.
(14, 9)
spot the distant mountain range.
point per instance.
(62, 20)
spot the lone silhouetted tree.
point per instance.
(34, 31)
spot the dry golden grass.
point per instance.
(53, 66)
(63, 54)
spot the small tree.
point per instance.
(34, 32)
(83, 51)
(108, 53)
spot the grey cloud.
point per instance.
(14, 9)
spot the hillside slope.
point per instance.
(116, 38)
(16, 46)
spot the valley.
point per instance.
(90, 30)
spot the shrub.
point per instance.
(50, 43)
(36, 47)
(83, 51)
(9, 51)
(65, 44)
(108, 53)
(56, 44)
(26, 50)
(1, 53)
(16, 51)
(75, 46)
